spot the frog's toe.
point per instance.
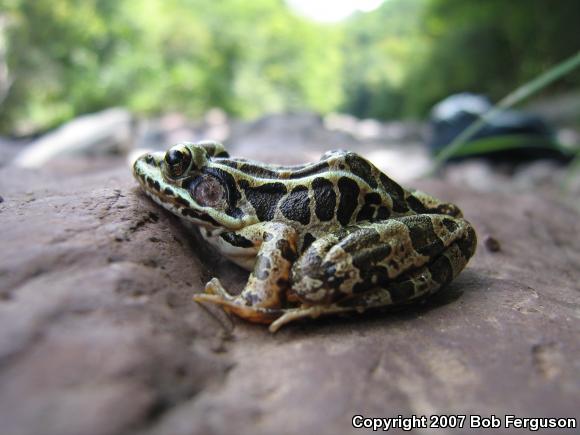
(215, 287)
(205, 297)
(300, 313)
(252, 314)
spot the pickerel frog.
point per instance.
(333, 236)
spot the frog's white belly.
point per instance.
(243, 257)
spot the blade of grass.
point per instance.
(508, 101)
(507, 142)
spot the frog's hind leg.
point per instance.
(415, 285)
(422, 281)
(215, 293)
(340, 266)
(379, 265)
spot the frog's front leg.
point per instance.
(265, 292)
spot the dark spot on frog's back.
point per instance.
(230, 163)
(325, 198)
(396, 192)
(416, 205)
(264, 198)
(361, 168)
(296, 206)
(349, 191)
(368, 209)
(257, 171)
(310, 169)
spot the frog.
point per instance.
(329, 237)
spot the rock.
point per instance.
(106, 132)
(98, 333)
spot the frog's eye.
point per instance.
(208, 192)
(177, 160)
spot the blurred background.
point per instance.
(266, 74)
(98, 331)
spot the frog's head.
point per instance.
(186, 182)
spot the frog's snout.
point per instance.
(147, 168)
(146, 162)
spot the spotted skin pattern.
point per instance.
(335, 236)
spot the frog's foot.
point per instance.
(215, 293)
(313, 312)
(215, 287)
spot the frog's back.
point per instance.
(342, 188)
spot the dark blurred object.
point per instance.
(510, 136)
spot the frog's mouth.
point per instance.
(148, 171)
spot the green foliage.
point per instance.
(381, 49)
(412, 53)
(69, 57)
(61, 56)
(491, 47)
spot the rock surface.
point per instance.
(99, 336)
